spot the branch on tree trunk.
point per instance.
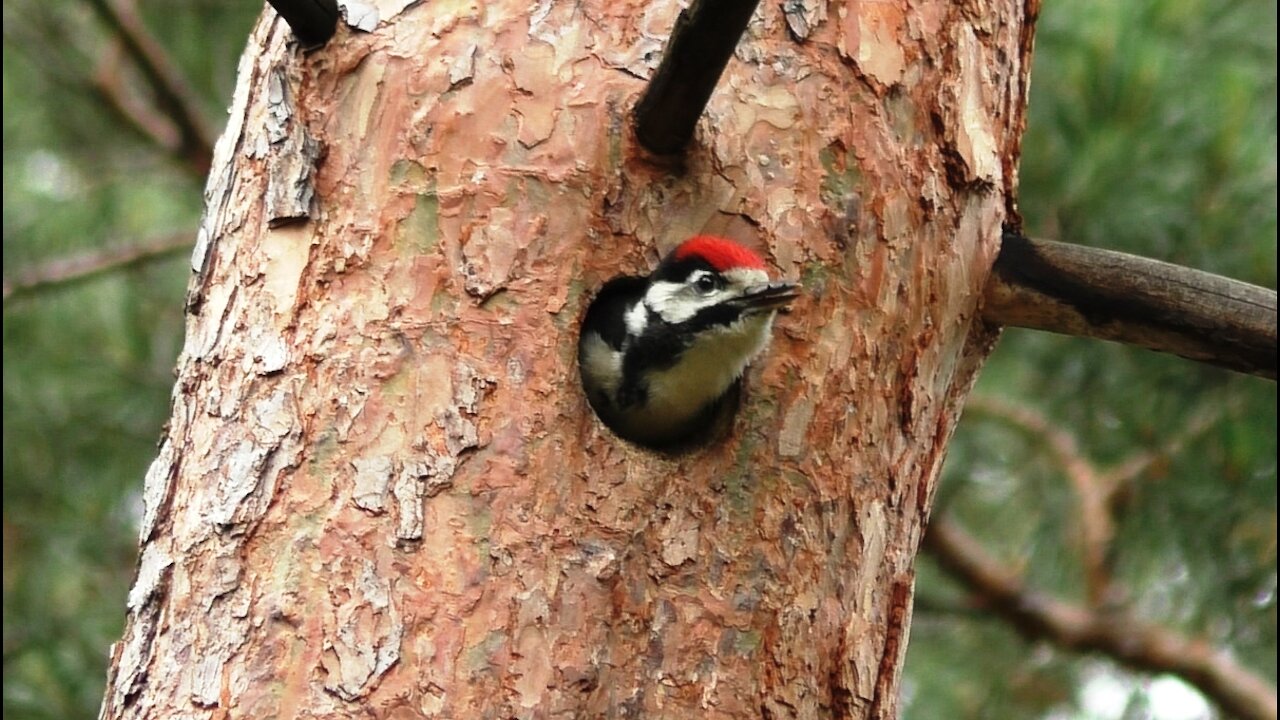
(1077, 290)
(700, 46)
(174, 95)
(63, 272)
(313, 21)
(1131, 641)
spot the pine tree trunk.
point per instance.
(382, 492)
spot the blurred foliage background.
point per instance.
(1152, 129)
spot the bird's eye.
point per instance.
(707, 284)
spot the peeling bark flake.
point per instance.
(358, 15)
(463, 68)
(226, 572)
(418, 481)
(349, 407)
(136, 649)
(409, 491)
(363, 639)
(972, 134)
(459, 432)
(220, 212)
(272, 355)
(873, 528)
(292, 156)
(600, 561)
(157, 489)
(244, 485)
(134, 656)
(872, 34)
(373, 476)
(803, 17)
(206, 680)
(491, 253)
(291, 178)
(279, 106)
(795, 428)
(680, 543)
(153, 573)
(245, 463)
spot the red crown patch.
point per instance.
(722, 254)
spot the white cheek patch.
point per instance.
(677, 302)
(673, 303)
(637, 319)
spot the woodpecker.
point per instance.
(662, 356)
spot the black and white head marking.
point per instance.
(662, 355)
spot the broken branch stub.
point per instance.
(700, 46)
(313, 21)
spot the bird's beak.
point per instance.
(767, 297)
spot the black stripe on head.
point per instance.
(720, 314)
(672, 270)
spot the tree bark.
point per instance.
(382, 492)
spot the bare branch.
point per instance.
(1127, 639)
(1125, 471)
(173, 94)
(700, 46)
(107, 83)
(1097, 528)
(63, 272)
(312, 21)
(1077, 290)
(43, 36)
(1096, 488)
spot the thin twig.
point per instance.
(925, 607)
(1134, 642)
(107, 83)
(1097, 528)
(700, 46)
(1116, 477)
(1097, 488)
(173, 93)
(67, 271)
(1078, 290)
